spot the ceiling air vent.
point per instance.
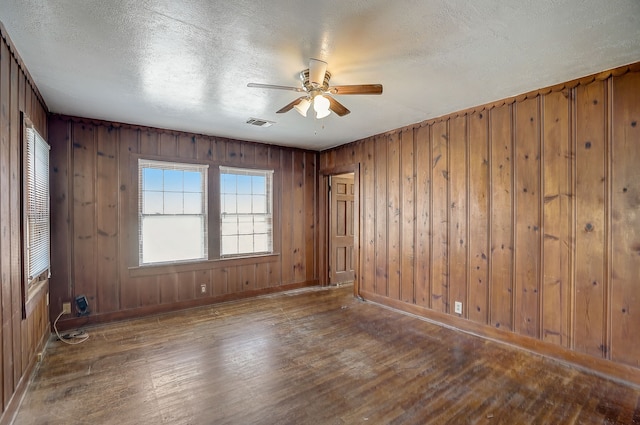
(260, 123)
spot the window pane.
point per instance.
(244, 204)
(259, 185)
(193, 203)
(229, 225)
(152, 179)
(227, 183)
(244, 184)
(172, 238)
(192, 181)
(260, 224)
(173, 203)
(245, 244)
(229, 245)
(245, 225)
(228, 204)
(152, 203)
(173, 180)
(261, 243)
(259, 204)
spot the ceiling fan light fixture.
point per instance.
(303, 107)
(321, 106)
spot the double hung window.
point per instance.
(172, 212)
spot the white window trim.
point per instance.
(268, 174)
(172, 165)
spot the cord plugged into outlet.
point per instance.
(66, 308)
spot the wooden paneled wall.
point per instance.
(526, 210)
(21, 338)
(95, 222)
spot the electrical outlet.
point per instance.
(203, 288)
(66, 308)
(457, 307)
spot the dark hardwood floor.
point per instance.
(315, 356)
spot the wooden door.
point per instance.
(341, 194)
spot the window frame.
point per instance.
(268, 214)
(32, 287)
(167, 165)
(215, 260)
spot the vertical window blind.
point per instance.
(37, 205)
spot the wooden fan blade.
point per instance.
(337, 107)
(271, 86)
(357, 89)
(317, 69)
(290, 105)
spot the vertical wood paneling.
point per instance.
(148, 288)
(394, 214)
(186, 146)
(187, 286)
(368, 211)
(381, 246)
(61, 208)
(590, 219)
(15, 199)
(440, 216)
(527, 212)
(127, 204)
(309, 236)
(299, 231)
(625, 225)
(20, 338)
(501, 219)
(288, 224)
(458, 213)
(557, 219)
(527, 228)
(84, 210)
(479, 190)
(423, 217)
(107, 280)
(408, 217)
(5, 216)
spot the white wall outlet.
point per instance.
(457, 307)
(66, 308)
(203, 288)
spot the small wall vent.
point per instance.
(259, 122)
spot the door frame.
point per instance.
(323, 223)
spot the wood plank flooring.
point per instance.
(314, 356)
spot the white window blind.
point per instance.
(172, 207)
(37, 205)
(246, 219)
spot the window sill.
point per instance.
(167, 268)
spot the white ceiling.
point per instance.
(185, 65)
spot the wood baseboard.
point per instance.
(607, 368)
(135, 313)
(23, 384)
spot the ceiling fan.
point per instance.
(315, 85)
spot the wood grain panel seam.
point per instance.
(467, 235)
(573, 146)
(489, 315)
(514, 206)
(608, 205)
(540, 281)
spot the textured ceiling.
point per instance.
(186, 65)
